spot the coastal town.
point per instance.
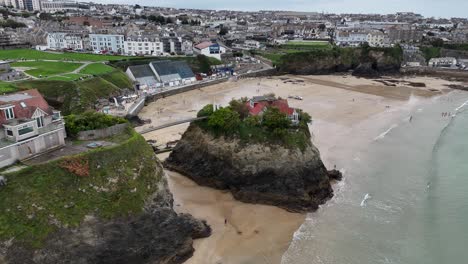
(148, 134)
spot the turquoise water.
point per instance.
(416, 181)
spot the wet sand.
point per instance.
(345, 111)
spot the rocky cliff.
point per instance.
(255, 173)
(362, 61)
(119, 211)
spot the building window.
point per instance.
(9, 132)
(25, 130)
(9, 114)
(40, 121)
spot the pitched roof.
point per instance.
(260, 105)
(24, 104)
(141, 71)
(166, 67)
(203, 45)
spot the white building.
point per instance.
(161, 74)
(351, 38)
(30, 127)
(210, 49)
(107, 43)
(376, 39)
(443, 62)
(62, 40)
(248, 45)
(143, 45)
(54, 6)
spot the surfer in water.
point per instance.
(410, 118)
(366, 197)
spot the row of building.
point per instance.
(138, 45)
(44, 5)
(376, 38)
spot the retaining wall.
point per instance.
(102, 133)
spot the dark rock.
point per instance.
(255, 173)
(335, 175)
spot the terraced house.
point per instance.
(30, 126)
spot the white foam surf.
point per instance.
(385, 133)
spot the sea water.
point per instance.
(403, 200)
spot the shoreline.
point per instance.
(342, 107)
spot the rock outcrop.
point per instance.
(255, 173)
(157, 236)
(127, 178)
(368, 63)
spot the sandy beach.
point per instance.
(346, 111)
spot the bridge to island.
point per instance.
(175, 123)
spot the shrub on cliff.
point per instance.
(224, 120)
(207, 110)
(90, 121)
(274, 119)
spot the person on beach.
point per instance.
(225, 221)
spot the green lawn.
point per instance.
(47, 68)
(97, 69)
(67, 77)
(30, 54)
(6, 87)
(50, 193)
(308, 43)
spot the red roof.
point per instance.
(203, 45)
(24, 104)
(281, 104)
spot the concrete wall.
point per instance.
(102, 133)
(435, 72)
(31, 147)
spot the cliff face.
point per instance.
(362, 63)
(120, 213)
(157, 236)
(255, 173)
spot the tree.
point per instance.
(204, 62)
(224, 120)
(273, 119)
(322, 27)
(86, 23)
(45, 16)
(207, 110)
(240, 106)
(438, 42)
(223, 30)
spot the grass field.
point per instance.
(6, 87)
(30, 54)
(47, 68)
(67, 77)
(41, 194)
(96, 69)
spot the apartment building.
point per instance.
(63, 40)
(107, 43)
(143, 45)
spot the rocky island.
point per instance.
(260, 150)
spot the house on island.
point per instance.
(161, 74)
(30, 126)
(258, 105)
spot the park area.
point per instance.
(30, 54)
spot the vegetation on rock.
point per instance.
(43, 198)
(90, 121)
(272, 127)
